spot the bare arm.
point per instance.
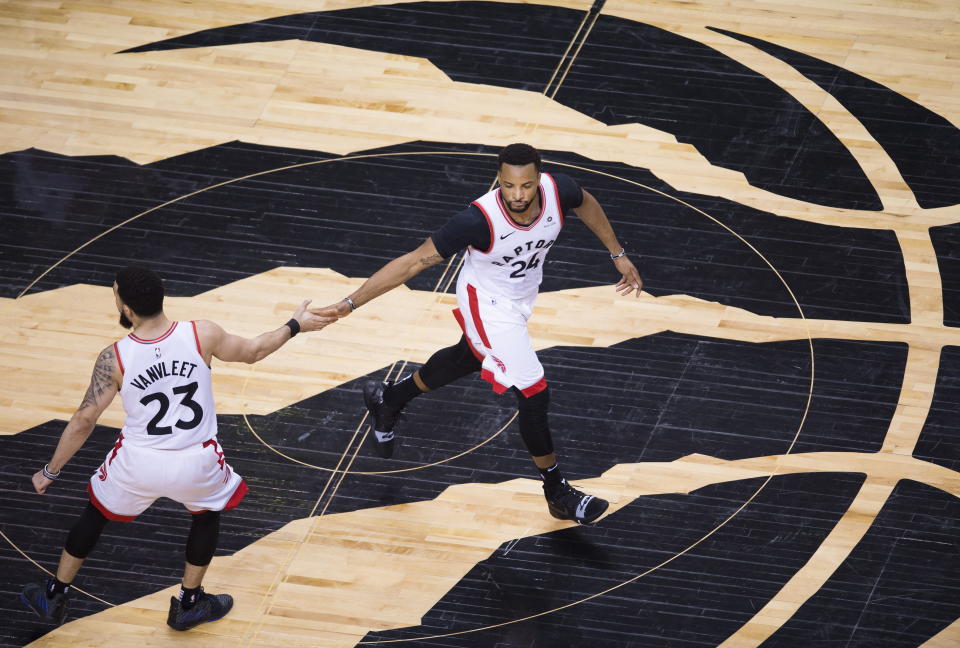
(398, 271)
(593, 216)
(216, 342)
(104, 385)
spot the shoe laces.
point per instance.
(567, 494)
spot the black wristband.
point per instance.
(49, 475)
(294, 327)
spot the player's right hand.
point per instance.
(40, 483)
(311, 320)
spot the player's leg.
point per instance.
(194, 606)
(513, 363)
(386, 400)
(205, 484)
(50, 600)
(563, 501)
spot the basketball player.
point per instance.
(507, 234)
(168, 446)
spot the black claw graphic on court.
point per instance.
(654, 398)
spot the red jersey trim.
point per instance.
(535, 388)
(107, 513)
(475, 314)
(489, 227)
(116, 350)
(463, 327)
(196, 336)
(487, 375)
(116, 449)
(154, 340)
(513, 223)
(556, 197)
(237, 496)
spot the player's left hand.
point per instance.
(40, 483)
(631, 278)
(337, 310)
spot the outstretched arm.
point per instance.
(216, 342)
(593, 216)
(387, 278)
(104, 385)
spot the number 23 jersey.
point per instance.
(512, 265)
(167, 389)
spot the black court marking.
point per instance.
(897, 588)
(924, 146)
(697, 601)
(946, 242)
(320, 215)
(939, 442)
(347, 467)
(626, 72)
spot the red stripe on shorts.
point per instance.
(475, 314)
(463, 327)
(107, 513)
(487, 375)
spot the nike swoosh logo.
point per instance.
(582, 506)
(503, 236)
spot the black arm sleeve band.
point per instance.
(468, 227)
(570, 193)
(202, 541)
(534, 428)
(85, 532)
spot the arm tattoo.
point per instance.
(101, 380)
(430, 260)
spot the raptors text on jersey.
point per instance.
(512, 266)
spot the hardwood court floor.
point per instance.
(774, 421)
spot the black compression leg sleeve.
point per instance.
(202, 541)
(449, 364)
(533, 422)
(85, 532)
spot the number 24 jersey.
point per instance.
(512, 265)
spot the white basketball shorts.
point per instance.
(131, 478)
(496, 329)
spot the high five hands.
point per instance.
(312, 320)
(334, 311)
(630, 280)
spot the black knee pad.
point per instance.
(534, 427)
(202, 541)
(449, 364)
(85, 532)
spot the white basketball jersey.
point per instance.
(512, 267)
(167, 390)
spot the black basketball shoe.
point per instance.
(209, 607)
(567, 503)
(54, 609)
(384, 416)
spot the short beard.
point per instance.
(125, 321)
(525, 207)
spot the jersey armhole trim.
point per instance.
(489, 226)
(116, 350)
(196, 337)
(556, 198)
